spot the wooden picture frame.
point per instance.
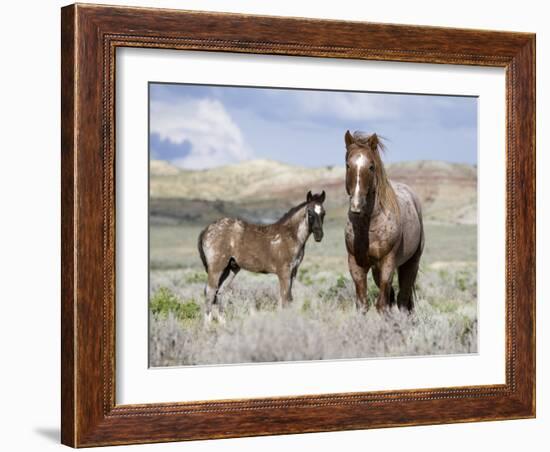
(90, 35)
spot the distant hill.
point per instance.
(254, 179)
(448, 191)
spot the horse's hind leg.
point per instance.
(210, 292)
(407, 276)
(216, 277)
(376, 277)
(233, 270)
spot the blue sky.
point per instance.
(195, 126)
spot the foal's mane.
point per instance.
(293, 210)
(386, 194)
(290, 213)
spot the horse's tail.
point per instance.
(414, 284)
(420, 249)
(201, 249)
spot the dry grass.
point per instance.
(321, 323)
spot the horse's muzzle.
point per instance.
(318, 235)
(356, 204)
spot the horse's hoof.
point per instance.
(383, 311)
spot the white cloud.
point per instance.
(349, 106)
(215, 138)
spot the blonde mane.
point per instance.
(387, 198)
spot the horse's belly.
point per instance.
(403, 247)
(254, 260)
(410, 243)
(411, 226)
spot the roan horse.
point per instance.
(384, 230)
(230, 244)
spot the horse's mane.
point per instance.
(293, 210)
(386, 194)
(291, 213)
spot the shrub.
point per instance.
(306, 305)
(340, 282)
(338, 291)
(196, 277)
(304, 277)
(165, 302)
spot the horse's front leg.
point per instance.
(359, 276)
(386, 271)
(285, 287)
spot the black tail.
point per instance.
(201, 250)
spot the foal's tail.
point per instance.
(201, 249)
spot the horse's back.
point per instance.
(411, 221)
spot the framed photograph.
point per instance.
(282, 225)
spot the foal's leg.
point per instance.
(293, 274)
(226, 278)
(219, 299)
(216, 276)
(359, 276)
(234, 269)
(387, 269)
(285, 284)
(210, 291)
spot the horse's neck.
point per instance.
(361, 223)
(373, 208)
(298, 224)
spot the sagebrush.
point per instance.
(321, 323)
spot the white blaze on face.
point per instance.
(317, 209)
(360, 162)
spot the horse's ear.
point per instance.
(322, 197)
(348, 138)
(373, 142)
(309, 196)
